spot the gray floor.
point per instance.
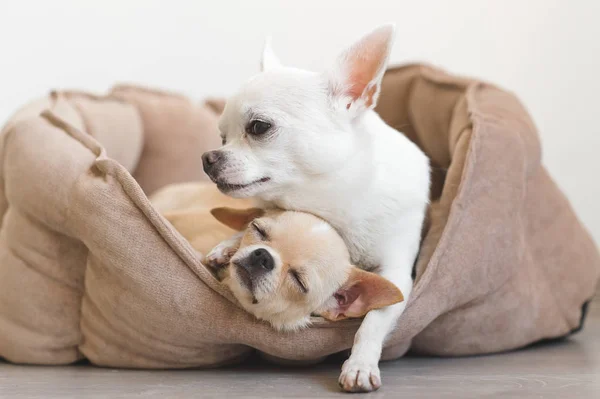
(568, 369)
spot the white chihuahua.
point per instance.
(311, 142)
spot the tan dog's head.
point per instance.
(292, 264)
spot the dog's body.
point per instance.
(373, 206)
(288, 266)
(188, 207)
(312, 142)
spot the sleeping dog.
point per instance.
(288, 266)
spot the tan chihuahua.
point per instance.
(289, 265)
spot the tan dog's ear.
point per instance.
(237, 219)
(362, 292)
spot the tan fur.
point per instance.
(297, 241)
(237, 219)
(188, 207)
(177, 197)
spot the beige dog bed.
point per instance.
(88, 269)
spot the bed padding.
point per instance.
(89, 269)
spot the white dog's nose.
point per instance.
(209, 160)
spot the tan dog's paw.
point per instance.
(220, 256)
(359, 376)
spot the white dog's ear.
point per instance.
(269, 59)
(355, 78)
(362, 292)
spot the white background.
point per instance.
(547, 51)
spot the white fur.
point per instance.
(269, 59)
(320, 228)
(333, 156)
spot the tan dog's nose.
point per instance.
(261, 259)
(256, 264)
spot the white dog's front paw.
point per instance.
(359, 376)
(220, 255)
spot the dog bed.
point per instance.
(89, 269)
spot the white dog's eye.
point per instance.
(257, 127)
(223, 140)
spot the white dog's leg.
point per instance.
(360, 373)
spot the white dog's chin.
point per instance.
(242, 190)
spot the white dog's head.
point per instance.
(286, 125)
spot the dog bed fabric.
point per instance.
(89, 269)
